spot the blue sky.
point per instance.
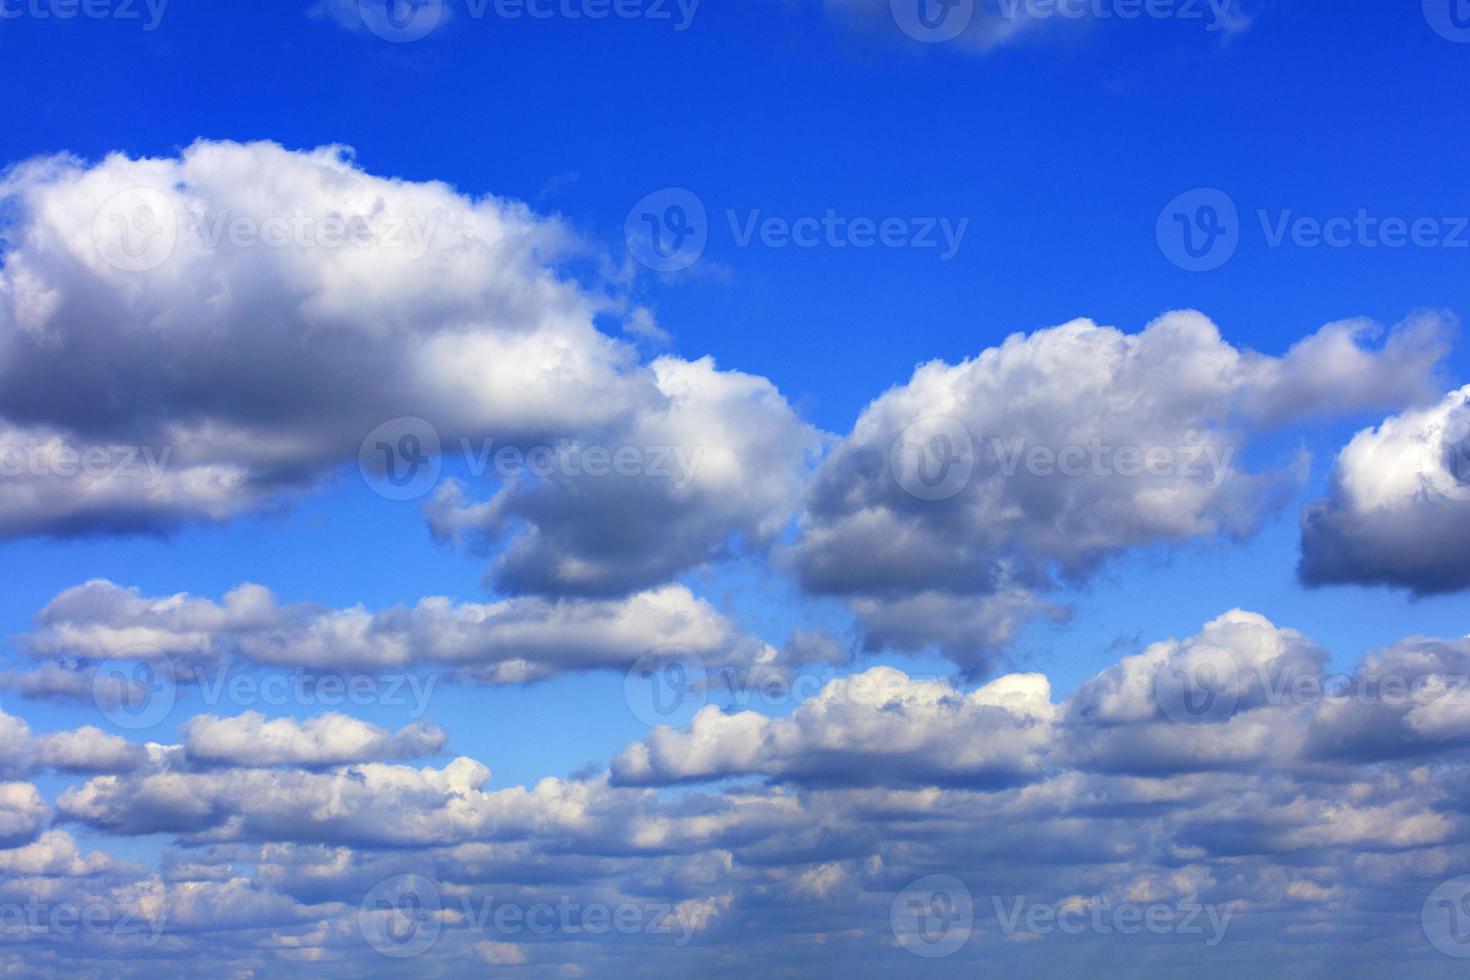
(1052, 155)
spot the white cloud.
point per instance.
(1398, 509)
(1055, 451)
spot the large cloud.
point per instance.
(962, 497)
(185, 338)
(1398, 508)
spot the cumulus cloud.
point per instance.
(1130, 790)
(511, 641)
(961, 498)
(86, 749)
(730, 458)
(332, 739)
(186, 338)
(877, 728)
(1397, 511)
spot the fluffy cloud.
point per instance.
(1398, 508)
(877, 728)
(332, 739)
(1120, 794)
(185, 338)
(960, 498)
(515, 640)
(732, 459)
(85, 749)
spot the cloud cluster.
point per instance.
(961, 498)
(1325, 818)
